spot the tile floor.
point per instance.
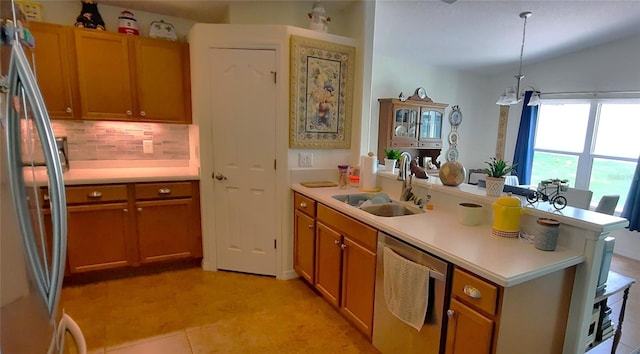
(192, 311)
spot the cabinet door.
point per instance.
(468, 331)
(163, 86)
(405, 129)
(304, 245)
(328, 263)
(105, 83)
(166, 230)
(98, 237)
(358, 285)
(430, 124)
(53, 61)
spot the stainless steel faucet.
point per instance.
(405, 172)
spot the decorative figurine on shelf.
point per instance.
(319, 22)
(128, 23)
(89, 16)
(554, 198)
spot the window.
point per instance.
(592, 143)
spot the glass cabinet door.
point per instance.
(406, 123)
(430, 125)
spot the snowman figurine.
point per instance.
(319, 22)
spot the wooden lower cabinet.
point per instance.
(358, 284)
(526, 318)
(468, 330)
(125, 225)
(328, 263)
(98, 237)
(304, 237)
(346, 266)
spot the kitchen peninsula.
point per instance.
(529, 280)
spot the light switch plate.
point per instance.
(147, 146)
(305, 159)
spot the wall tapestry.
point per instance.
(321, 94)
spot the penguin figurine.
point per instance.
(89, 16)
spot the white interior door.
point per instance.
(243, 107)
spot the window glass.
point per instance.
(562, 127)
(617, 131)
(547, 165)
(611, 177)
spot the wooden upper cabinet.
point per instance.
(132, 78)
(54, 64)
(163, 80)
(104, 77)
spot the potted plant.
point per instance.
(391, 156)
(496, 171)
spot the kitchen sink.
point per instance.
(382, 205)
(391, 209)
(354, 199)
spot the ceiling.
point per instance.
(482, 36)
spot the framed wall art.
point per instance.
(321, 94)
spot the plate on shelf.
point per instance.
(455, 117)
(453, 138)
(401, 131)
(452, 154)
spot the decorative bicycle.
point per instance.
(554, 198)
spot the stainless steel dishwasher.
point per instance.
(390, 334)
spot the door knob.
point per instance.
(451, 313)
(220, 177)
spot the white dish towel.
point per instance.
(406, 288)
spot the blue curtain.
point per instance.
(631, 209)
(523, 155)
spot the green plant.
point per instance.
(498, 168)
(392, 154)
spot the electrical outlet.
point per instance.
(147, 146)
(305, 159)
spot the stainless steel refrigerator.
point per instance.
(33, 229)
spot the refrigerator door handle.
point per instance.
(67, 324)
(21, 79)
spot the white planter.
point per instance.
(494, 186)
(390, 165)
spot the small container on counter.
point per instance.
(343, 174)
(546, 233)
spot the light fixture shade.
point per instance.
(513, 95)
(534, 100)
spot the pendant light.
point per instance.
(512, 95)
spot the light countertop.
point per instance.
(505, 261)
(76, 176)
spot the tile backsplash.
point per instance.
(105, 140)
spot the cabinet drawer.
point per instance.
(163, 190)
(96, 193)
(304, 204)
(355, 230)
(474, 291)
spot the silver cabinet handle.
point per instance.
(336, 242)
(164, 191)
(139, 210)
(472, 292)
(343, 246)
(45, 197)
(310, 226)
(451, 313)
(125, 210)
(69, 110)
(129, 112)
(303, 205)
(94, 194)
(220, 177)
(143, 113)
